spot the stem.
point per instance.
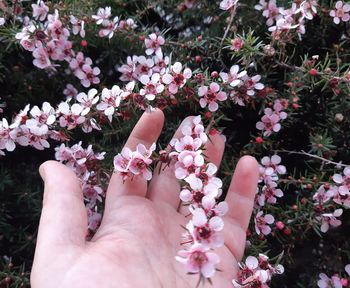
(230, 21)
(313, 156)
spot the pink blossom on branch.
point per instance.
(341, 12)
(176, 78)
(262, 223)
(133, 163)
(210, 96)
(153, 44)
(227, 4)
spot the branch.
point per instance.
(313, 156)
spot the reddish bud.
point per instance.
(142, 38)
(295, 105)
(208, 114)
(344, 282)
(303, 201)
(295, 207)
(287, 231)
(309, 186)
(7, 280)
(83, 43)
(213, 132)
(214, 74)
(200, 38)
(289, 84)
(198, 59)
(259, 140)
(313, 72)
(280, 225)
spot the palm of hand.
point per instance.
(140, 233)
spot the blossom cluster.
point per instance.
(199, 193)
(282, 20)
(270, 170)
(270, 122)
(109, 27)
(241, 87)
(84, 163)
(256, 272)
(47, 37)
(130, 163)
(339, 193)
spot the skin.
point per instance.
(140, 232)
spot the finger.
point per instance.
(240, 199)
(146, 132)
(214, 150)
(164, 186)
(63, 218)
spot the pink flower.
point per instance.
(210, 96)
(271, 166)
(204, 230)
(256, 272)
(109, 28)
(152, 86)
(78, 26)
(143, 67)
(233, 78)
(110, 101)
(195, 129)
(70, 91)
(227, 4)
(7, 136)
(88, 75)
(340, 12)
(322, 195)
(129, 163)
(270, 11)
(326, 282)
(40, 10)
(237, 44)
(308, 9)
(102, 16)
(41, 58)
(199, 259)
(87, 101)
(128, 70)
(70, 115)
(45, 115)
(262, 223)
(153, 43)
(330, 220)
(176, 78)
(343, 181)
(269, 122)
(94, 219)
(269, 193)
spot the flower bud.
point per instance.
(339, 117)
(280, 225)
(313, 72)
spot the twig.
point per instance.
(313, 156)
(230, 21)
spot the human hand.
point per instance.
(141, 228)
